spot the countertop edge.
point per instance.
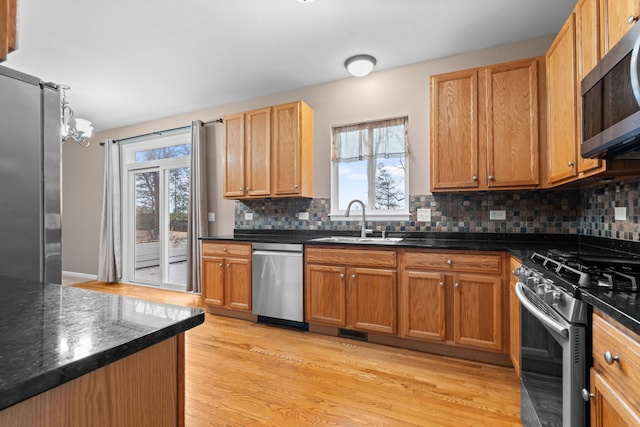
(33, 386)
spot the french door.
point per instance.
(155, 210)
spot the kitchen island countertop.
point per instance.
(51, 334)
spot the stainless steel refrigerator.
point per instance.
(30, 178)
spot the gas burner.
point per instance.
(589, 271)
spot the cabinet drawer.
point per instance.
(226, 249)
(352, 257)
(443, 261)
(625, 371)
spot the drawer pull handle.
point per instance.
(632, 19)
(224, 249)
(610, 358)
(449, 262)
(587, 395)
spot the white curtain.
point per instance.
(198, 225)
(110, 255)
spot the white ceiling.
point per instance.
(128, 61)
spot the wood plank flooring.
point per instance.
(239, 373)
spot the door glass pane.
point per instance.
(147, 226)
(178, 203)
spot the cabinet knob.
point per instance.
(457, 285)
(610, 358)
(220, 265)
(587, 395)
(474, 177)
(342, 275)
(241, 189)
(441, 283)
(570, 164)
(353, 276)
(449, 262)
(248, 188)
(632, 19)
(295, 186)
(491, 178)
(228, 265)
(224, 249)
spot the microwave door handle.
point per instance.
(634, 70)
(538, 314)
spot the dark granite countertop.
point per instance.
(621, 306)
(51, 334)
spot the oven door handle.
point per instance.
(555, 326)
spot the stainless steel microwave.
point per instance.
(611, 102)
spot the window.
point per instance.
(369, 163)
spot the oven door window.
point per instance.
(541, 365)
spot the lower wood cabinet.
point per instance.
(615, 375)
(351, 288)
(453, 298)
(226, 275)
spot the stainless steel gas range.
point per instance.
(555, 330)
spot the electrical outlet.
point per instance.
(620, 214)
(303, 216)
(211, 216)
(248, 216)
(497, 215)
(424, 215)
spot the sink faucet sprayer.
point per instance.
(363, 233)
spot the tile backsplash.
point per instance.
(589, 212)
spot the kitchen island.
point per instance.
(73, 357)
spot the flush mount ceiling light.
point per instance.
(79, 130)
(360, 65)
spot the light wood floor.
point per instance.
(243, 374)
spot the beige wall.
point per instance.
(397, 92)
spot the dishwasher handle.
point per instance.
(277, 253)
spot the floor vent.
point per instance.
(354, 335)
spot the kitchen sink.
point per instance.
(359, 240)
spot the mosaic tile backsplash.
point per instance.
(587, 212)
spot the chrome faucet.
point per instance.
(363, 233)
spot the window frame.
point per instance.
(337, 214)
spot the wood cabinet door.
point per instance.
(423, 305)
(213, 281)
(372, 299)
(587, 14)
(609, 408)
(258, 152)
(616, 15)
(234, 156)
(477, 313)
(514, 320)
(325, 295)
(454, 131)
(512, 122)
(8, 27)
(561, 102)
(238, 283)
(286, 149)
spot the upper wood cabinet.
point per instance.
(561, 98)
(269, 152)
(8, 27)
(580, 44)
(617, 17)
(485, 127)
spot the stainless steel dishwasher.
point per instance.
(277, 283)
